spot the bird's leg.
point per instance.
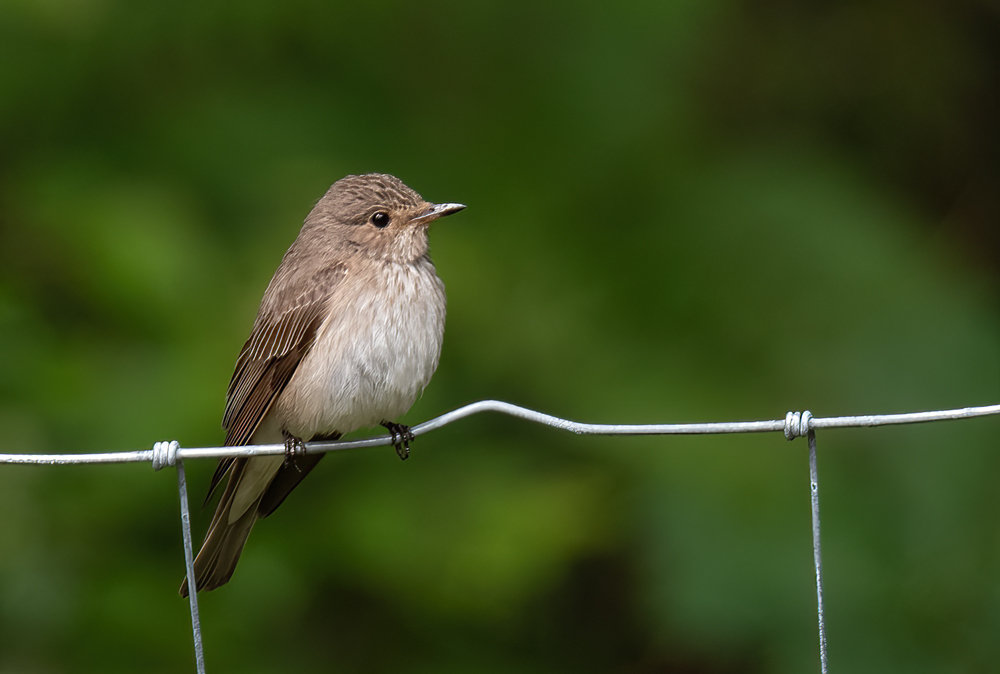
(401, 438)
(294, 448)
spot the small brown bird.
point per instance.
(347, 336)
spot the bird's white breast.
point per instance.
(373, 354)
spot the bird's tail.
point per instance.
(217, 558)
(257, 486)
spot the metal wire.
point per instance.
(817, 549)
(199, 651)
(795, 424)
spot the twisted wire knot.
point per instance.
(797, 424)
(165, 454)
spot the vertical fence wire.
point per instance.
(817, 551)
(199, 654)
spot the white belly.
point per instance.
(372, 356)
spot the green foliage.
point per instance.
(667, 222)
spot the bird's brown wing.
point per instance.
(278, 343)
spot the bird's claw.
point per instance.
(401, 438)
(294, 448)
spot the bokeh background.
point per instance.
(678, 211)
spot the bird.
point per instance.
(348, 334)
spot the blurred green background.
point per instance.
(678, 211)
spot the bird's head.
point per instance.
(375, 215)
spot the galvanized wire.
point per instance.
(199, 651)
(817, 549)
(795, 424)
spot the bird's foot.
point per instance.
(294, 448)
(401, 438)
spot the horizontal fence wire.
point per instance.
(795, 424)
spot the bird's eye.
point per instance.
(380, 219)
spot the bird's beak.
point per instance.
(436, 211)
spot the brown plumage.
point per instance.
(348, 333)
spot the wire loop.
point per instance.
(165, 454)
(797, 424)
